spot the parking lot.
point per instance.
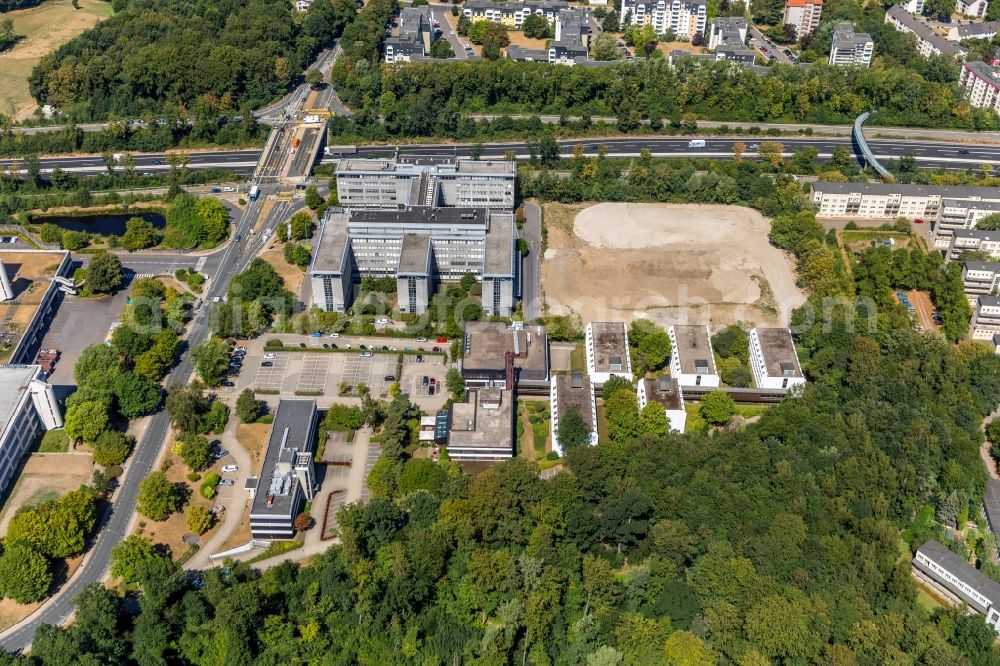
(313, 373)
(413, 374)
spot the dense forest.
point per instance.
(180, 57)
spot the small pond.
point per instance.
(106, 225)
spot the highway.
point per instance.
(928, 154)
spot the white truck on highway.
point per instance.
(696, 143)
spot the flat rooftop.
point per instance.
(412, 166)
(14, 380)
(484, 420)
(499, 258)
(419, 215)
(779, 352)
(30, 273)
(694, 349)
(486, 342)
(292, 433)
(415, 256)
(328, 257)
(664, 390)
(962, 570)
(885, 189)
(573, 391)
(610, 346)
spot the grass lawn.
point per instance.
(696, 424)
(276, 548)
(603, 434)
(44, 495)
(540, 427)
(54, 441)
(44, 29)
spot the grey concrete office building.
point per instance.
(286, 478)
(418, 246)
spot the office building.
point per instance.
(686, 18)
(692, 362)
(414, 38)
(28, 407)
(958, 580)
(849, 47)
(572, 392)
(482, 428)
(974, 240)
(971, 8)
(982, 85)
(961, 214)
(286, 478)
(426, 181)
(665, 391)
(420, 247)
(773, 359)
(803, 15)
(980, 278)
(512, 14)
(32, 284)
(928, 42)
(986, 30)
(607, 351)
(498, 354)
(985, 317)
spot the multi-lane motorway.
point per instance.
(928, 154)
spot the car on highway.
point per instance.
(963, 151)
(442, 340)
(227, 482)
(317, 334)
(157, 161)
(216, 190)
(226, 469)
(239, 237)
(335, 335)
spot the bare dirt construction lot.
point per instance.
(44, 28)
(670, 263)
(47, 476)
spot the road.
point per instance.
(531, 265)
(758, 42)
(441, 13)
(938, 154)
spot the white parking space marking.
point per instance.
(315, 368)
(271, 378)
(373, 453)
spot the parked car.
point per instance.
(366, 354)
(227, 482)
(442, 340)
(317, 334)
(421, 339)
(430, 390)
(230, 468)
(424, 380)
(269, 355)
(221, 453)
(266, 364)
(228, 384)
(335, 335)
(420, 359)
(436, 348)
(433, 381)
(326, 345)
(383, 321)
(390, 378)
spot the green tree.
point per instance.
(56, 528)
(653, 419)
(137, 395)
(573, 432)
(129, 554)
(732, 341)
(314, 78)
(604, 47)
(199, 519)
(441, 49)
(24, 574)
(536, 26)
(494, 38)
(195, 450)
(211, 359)
(650, 346)
(112, 448)
(158, 497)
(302, 226)
(989, 222)
(104, 272)
(248, 408)
(297, 254)
(622, 410)
(683, 648)
(313, 199)
(420, 474)
(139, 234)
(717, 408)
(456, 384)
(86, 420)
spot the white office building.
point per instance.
(851, 48)
(607, 351)
(665, 392)
(482, 428)
(958, 580)
(685, 17)
(28, 408)
(692, 362)
(572, 392)
(773, 359)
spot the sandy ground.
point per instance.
(671, 263)
(45, 28)
(47, 476)
(292, 275)
(666, 47)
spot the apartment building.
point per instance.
(851, 48)
(928, 42)
(692, 362)
(572, 38)
(803, 15)
(512, 14)
(980, 278)
(286, 478)
(420, 247)
(974, 240)
(726, 30)
(498, 354)
(685, 17)
(426, 181)
(481, 429)
(572, 392)
(958, 580)
(607, 351)
(665, 391)
(991, 506)
(28, 407)
(914, 6)
(960, 215)
(773, 359)
(414, 38)
(986, 317)
(985, 30)
(971, 8)
(982, 85)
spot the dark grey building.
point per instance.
(952, 575)
(286, 478)
(414, 38)
(486, 344)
